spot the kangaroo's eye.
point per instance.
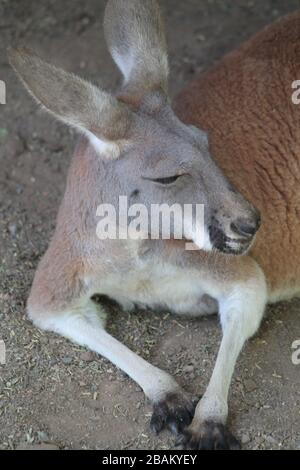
(165, 181)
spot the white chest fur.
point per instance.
(158, 285)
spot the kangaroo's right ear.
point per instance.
(135, 36)
(75, 101)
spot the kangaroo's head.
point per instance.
(150, 155)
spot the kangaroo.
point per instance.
(133, 144)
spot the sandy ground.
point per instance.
(52, 391)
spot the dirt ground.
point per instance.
(52, 391)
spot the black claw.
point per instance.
(158, 420)
(210, 436)
(156, 424)
(175, 413)
(181, 441)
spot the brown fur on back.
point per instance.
(245, 102)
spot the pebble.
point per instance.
(87, 356)
(271, 440)
(13, 228)
(3, 133)
(188, 368)
(44, 340)
(85, 20)
(43, 436)
(245, 438)
(19, 189)
(250, 385)
(67, 360)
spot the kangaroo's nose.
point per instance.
(246, 227)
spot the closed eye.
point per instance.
(165, 181)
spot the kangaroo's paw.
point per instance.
(209, 436)
(175, 412)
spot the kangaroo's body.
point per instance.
(245, 102)
(134, 145)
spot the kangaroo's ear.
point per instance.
(135, 36)
(75, 101)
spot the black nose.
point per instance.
(246, 227)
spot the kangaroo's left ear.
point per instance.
(135, 36)
(75, 101)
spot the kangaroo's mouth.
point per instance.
(233, 246)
